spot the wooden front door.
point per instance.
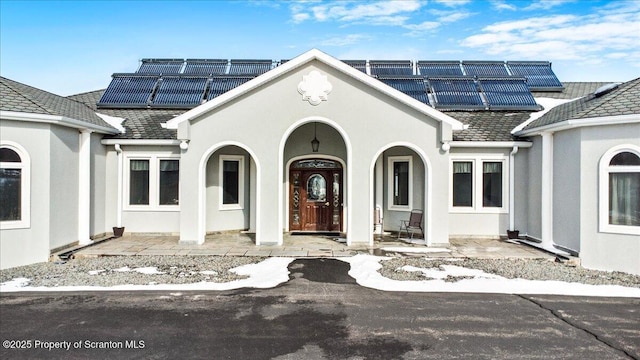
(315, 197)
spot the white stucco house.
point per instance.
(321, 145)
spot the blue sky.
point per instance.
(70, 47)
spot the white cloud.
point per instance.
(345, 40)
(587, 38)
(547, 4)
(502, 5)
(452, 3)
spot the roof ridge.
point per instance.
(608, 97)
(12, 88)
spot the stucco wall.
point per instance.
(534, 205)
(64, 145)
(98, 186)
(30, 245)
(566, 189)
(601, 250)
(260, 123)
(522, 184)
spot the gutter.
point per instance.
(119, 201)
(57, 120)
(490, 144)
(147, 142)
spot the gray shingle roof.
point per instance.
(18, 97)
(139, 123)
(488, 125)
(625, 100)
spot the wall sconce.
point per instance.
(315, 143)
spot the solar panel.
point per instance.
(160, 66)
(358, 64)
(440, 68)
(455, 93)
(391, 67)
(507, 93)
(221, 84)
(413, 86)
(205, 67)
(538, 73)
(249, 67)
(180, 91)
(484, 68)
(128, 90)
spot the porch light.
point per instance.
(315, 143)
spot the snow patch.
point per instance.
(364, 268)
(414, 249)
(116, 122)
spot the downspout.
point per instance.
(546, 203)
(84, 187)
(512, 188)
(119, 201)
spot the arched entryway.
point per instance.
(315, 186)
(401, 181)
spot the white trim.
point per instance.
(25, 186)
(428, 203)
(575, 123)
(240, 204)
(603, 189)
(147, 142)
(512, 188)
(154, 181)
(347, 173)
(288, 181)
(299, 61)
(202, 190)
(55, 119)
(477, 161)
(391, 183)
(490, 144)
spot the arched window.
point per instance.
(620, 190)
(14, 186)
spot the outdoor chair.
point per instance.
(414, 224)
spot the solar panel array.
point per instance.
(444, 85)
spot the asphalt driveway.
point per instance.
(320, 314)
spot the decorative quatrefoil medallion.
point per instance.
(314, 87)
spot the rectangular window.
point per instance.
(492, 184)
(230, 182)
(169, 182)
(139, 182)
(463, 183)
(624, 198)
(10, 194)
(401, 183)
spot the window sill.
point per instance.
(14, 225)
(478, 211)
(399, 208)
(230, 207)
(169, 208)
(620, 229)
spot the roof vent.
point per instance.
(605, 89)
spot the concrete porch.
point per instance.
(241, 244)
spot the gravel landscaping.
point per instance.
(144, 270)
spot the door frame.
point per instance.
(345, 186)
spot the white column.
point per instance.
(84, 188)
(547, 190)
(379, 194)
(512, 188)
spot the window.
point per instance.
(462, 183)
(169, 182)
(620, 190)
(492, 184)
(232, 181)
(478, 188)
(139, 182)
(14, 187)
(154, 183)
(401, 183)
